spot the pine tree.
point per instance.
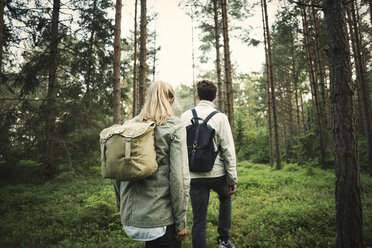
(348, 202)
(142, 70)
(228, 78)
(117, 49)
(50, 168)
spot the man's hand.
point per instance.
(181, 236)
(232, 189)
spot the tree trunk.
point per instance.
(2, 5)
(362, 80)
(370, 10)
(284, 124)
(194, 93)
(319, 66)
(348, 203)
(135, 82)
(90, 53)
(272, 87)
(268, 97)
(303, 114)
(314, 90)
(117, 48)
(142, 69)
(290, 108)
(294, 78)
(228, 78)
(218, 57)
(50, 168)
(154, 59)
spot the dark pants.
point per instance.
(168, 240)
(199, 194)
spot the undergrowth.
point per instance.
(293, 207)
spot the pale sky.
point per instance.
(173, 29)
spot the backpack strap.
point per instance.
(195, 119)
(210, 116)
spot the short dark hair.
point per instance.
(206, 90)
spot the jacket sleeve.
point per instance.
(179, 176)
(228, 151)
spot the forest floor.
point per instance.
(294, 207)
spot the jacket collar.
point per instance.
(205, 103)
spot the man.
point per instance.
(222, 178)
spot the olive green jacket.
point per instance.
(162, 198)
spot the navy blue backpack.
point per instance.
(200, 144)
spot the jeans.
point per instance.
(199, 194)
(168, 240)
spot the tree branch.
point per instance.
(307, 5)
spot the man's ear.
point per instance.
(198, 97)
(215, 97)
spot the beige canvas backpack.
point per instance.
(128, 151)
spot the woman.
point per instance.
(154, 209)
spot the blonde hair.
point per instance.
(157, 107)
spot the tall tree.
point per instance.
(142, 69)
(2, 5)
(314, 86)
(295, 83)
(318, 55)
(268, 93)
(362, 79)
(117, 49)
(88, 77)
(194, 93)
(272, 88)
(228, 78)
(51, 169)
(218, 56)
(135, 82)
(348, 202)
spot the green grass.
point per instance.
(293, 207)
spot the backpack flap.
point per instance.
(206, 136)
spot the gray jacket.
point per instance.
(162, 198)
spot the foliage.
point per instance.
(293, 207)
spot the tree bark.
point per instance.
(348, 203)
(268, 95)
(143, 66)
(2, 6)
(272, 87)
(228, 78)
(117, 50)
(218, 57)
(135, 83)
(50, 168)
(314, 90)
